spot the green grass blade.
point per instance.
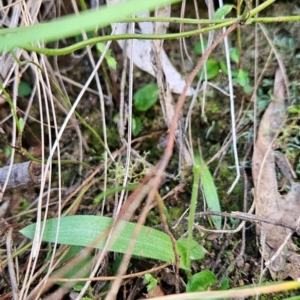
(210, 192)
(72, 25)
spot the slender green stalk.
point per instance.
(196, 172)
(261, 7)
(176, 20)
(13, 109)
(100, 197)
(77, 46)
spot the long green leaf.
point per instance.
(72, 25)
(86, 230)
(210, 191)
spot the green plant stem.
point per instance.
(196, 172)
(77, 46)
(17, 253)
(12, 107)
(176, 20)
(279, 19)
(261, 7)
(100, 197)
(225, 23)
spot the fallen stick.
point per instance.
(23, 174)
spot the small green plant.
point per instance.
(150, 281)
(204, 281)
(109, 59)
(223, 11)
(144, 98)
(240, 76)
(24, 89)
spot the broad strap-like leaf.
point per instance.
(91, 231)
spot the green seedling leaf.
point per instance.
(24, 89)
(100, 47)
(248, 89)
(197, 252)
(137, 125)
(234, 55)
(150, 281)
(146, 97)
(109, 59)
(111, 62)
(201, 281)
(198, 48)
(243, 80)
(223, 67)
(223, 11)
(86, 231)
(210, 191)
(224, 284)
(212, 68)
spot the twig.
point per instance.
(249, 217)
(23, 174)
(10, 263)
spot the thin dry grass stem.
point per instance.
(74, 83)
(58, 134)
(44, 89)
(123, 116)
(182, 43)
(110, 278)
(173, 240)
(44, 285)
(234, 293)
(227, 142)
(26, 19)
(11, 266)
(47, 285)
(10, 5)
(102, 107)
(256, 83)
(127, 143)
(169, 149)
(188, 120)
(237, 215)
(279, 60)
(14, 132)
